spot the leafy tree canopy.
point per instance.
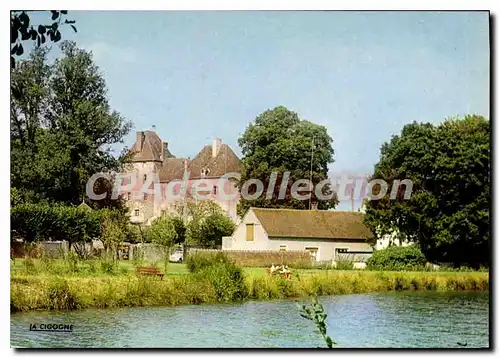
(279, 141)
(180, 229)
(208, 224)
(448, 213)
(62, 128)
(162, 231)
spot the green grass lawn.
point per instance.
(177, 269)
(124, 267)
(173, 269)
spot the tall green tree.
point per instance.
(180, 229)
(162, 232)
(62, 127)
(207, 224)
(448, 213)
(28, 102)
(279, 141)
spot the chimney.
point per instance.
(140, 139)
(216, 143)
(165, 150)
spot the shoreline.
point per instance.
(51, 292)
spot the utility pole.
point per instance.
(352, 198)
(311, 172)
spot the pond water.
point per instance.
(377, 320)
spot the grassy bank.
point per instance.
(77, 291)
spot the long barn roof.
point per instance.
(318, 224)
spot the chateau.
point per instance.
(180, 179)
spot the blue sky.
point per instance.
(197, 75)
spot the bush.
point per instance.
(107, 267)
(198, 260)
(112, 232)
(32, 222)
(38, 222)
(397, 258)
(451, 268)
(74, 224)
(227, 281)
(225, 277)
(180, 229)
(133, 234)
(344, 265)
(162, 231)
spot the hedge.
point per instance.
(295, 259)
(39, 222)
(397, 258)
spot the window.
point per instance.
(129, 195)
(283, 248)
(250, 232)
(136, 212)
(204, 172)
(341, 254)
(313, 251)
(145, 177)
(145, 196)
(215, 189)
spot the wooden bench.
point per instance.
(151, 271)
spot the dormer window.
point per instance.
(205, 172)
